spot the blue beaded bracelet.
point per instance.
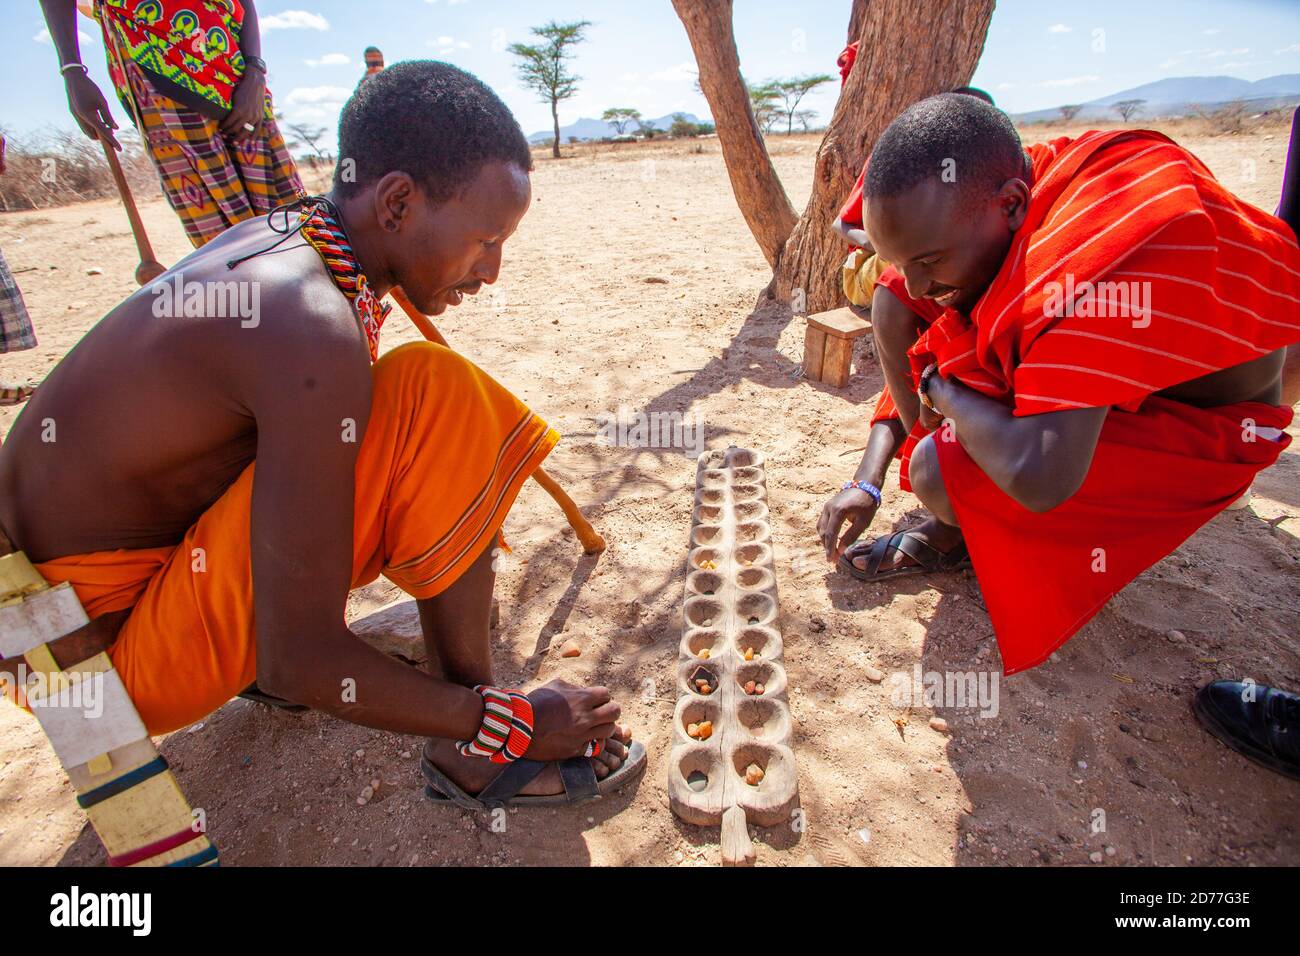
(864, 486)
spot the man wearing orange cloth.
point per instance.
(1107, 367)
(213, 482)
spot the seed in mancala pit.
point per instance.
(697, 780)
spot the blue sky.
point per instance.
(1039, 53)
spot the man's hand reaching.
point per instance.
(565, 717)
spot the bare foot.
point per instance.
(472, 774)
(942, 537)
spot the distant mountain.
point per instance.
(599, 129)
(1177, 95)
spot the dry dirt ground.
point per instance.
(1094, 752)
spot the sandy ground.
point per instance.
(1094, 752)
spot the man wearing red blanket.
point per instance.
(1105, 375)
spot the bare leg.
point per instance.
(457, 636)
(1291, 376)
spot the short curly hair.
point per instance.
(960, 131)
(431, 120)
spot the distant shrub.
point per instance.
(58, 167)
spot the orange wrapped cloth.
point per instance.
(1202, 282)
(444, 455)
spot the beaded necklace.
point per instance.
(322, 227)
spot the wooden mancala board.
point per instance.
(730, 613)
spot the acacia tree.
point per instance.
(544, 67)
(1068, 113)
(310, 136)
(791, 92)
(906, 52)
(762, 100)
(1127, 109)
(620, 117)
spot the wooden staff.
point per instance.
(149, 267)
(592, 542)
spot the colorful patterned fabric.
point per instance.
(212, 184)
(325, 233)
(193, 44)
(16, 331)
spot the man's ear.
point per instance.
(395, 196)
(1013, 200)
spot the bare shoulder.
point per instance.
(275, 313)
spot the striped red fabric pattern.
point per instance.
(1135, 271)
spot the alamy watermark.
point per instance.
(1100, 300)
(635, 428)
(73, 690)
(177, 298)
(957, 690)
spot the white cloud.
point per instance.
(1059, 28)
(1214, 54)
(1211, 31)
(294, 20)
(446, 44)
(305, 95)
(1170, 63)
(681, 73)
(330, 59)
(1293, 48)
(1072, 81)
(44, 36)
(1006, 86)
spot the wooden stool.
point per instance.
(828, 345)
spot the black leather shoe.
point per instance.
(1261, 723)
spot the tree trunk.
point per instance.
(907, 51)
(758, 190)
(857, 20)
(555, 119)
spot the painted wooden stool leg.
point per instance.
(125, 787)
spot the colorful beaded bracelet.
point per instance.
(507, 727)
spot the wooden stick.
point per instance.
(418, 318)
(149, 267)
(592, 542)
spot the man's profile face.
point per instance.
(454, 249)
(947, 243)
